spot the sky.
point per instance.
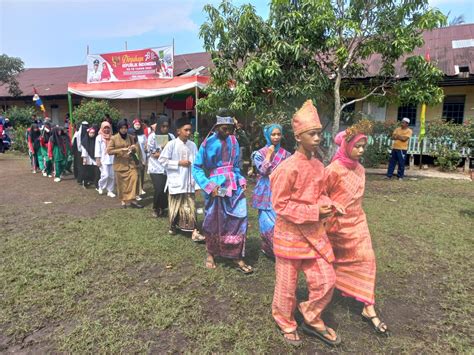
(56, 33)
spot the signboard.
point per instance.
(150, 63)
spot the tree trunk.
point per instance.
(337, 104)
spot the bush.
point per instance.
(444, 134)
(94, 111)
(19, 142)
(375, 155)
(21, 116)
(446, 158)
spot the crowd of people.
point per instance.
(310, 217)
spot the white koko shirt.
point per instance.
(180, 179)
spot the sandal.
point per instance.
(321, 334)
(245, 269)
(379, 328)
(293, 342)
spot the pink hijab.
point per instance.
(345, 148)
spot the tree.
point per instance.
(312, 48)
(10, 67)
(258, 69)
(93, 111)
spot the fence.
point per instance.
(414, 144)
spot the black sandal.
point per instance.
(320, 334)
(377, 328)
(245, 269)
(295, 343)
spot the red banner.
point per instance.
(150, 63)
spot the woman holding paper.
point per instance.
(156, 142)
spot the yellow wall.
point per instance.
(435, 112)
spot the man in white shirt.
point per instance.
(177, 158)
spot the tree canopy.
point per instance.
(10, 67)
(315, 49)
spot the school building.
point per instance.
(450, 48)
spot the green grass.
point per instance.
(118, 282)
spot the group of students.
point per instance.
(310, 217)
(49, 149)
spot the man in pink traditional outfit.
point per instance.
(300, 241)
(349, 234)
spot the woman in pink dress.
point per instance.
(349, 234)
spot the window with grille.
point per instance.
(408, 111)
(453, 108)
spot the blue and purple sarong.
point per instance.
(225, 218)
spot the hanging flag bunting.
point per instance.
(38, 102)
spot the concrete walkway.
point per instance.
(417, 173)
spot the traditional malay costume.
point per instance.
(261, 198)
(125, 165)
(180, 183)
(45, 164)
(59, 150)
(102, 141)
(300, 242)
(349, 234)
(225, 217)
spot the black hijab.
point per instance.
(59, 139)
(88, 143)
(138, 132)
(35, 135)
(46, 134)
(161, 120)
(120, 124)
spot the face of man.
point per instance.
(91, 133)
(185, 132)
(224, 130)
(358, 151)
(137, 125)
(404, 124)
(309, 140)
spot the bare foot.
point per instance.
(210, 264)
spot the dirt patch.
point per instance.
(45, 200)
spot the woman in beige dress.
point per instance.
(126, 152)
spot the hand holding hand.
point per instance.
(214, 192)
(325, 211)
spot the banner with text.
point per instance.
(150, 63)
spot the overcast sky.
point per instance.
(54, 33)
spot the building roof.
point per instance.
(451, 48)
(54, 81)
